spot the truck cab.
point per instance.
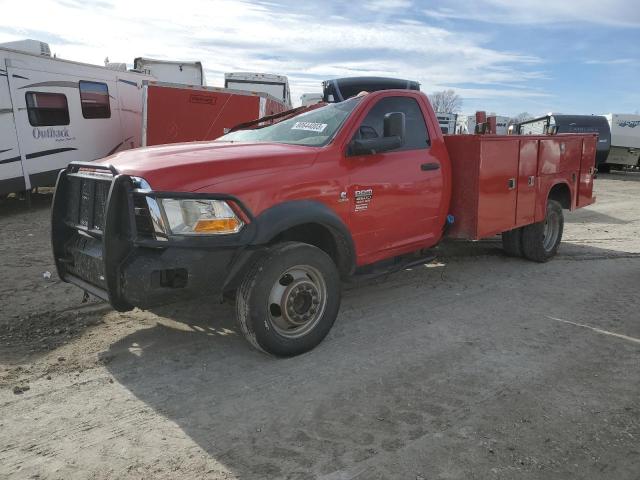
(276, 215)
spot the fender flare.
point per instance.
(284, 216)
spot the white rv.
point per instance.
(275, 85)
(625, 139)
(187, 73)
(307, 99)
(55, 111)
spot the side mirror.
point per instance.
(394, 135)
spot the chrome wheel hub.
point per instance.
(297, 301)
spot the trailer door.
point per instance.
(130, 101)
(11, 175)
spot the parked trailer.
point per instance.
(175, 113)
(186, 73)
(447, 122)
(275, 85)
(276, 216)
(625, 140)
(310, 99)
(55, 111)
(552, 124)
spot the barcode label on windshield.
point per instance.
(310, 126)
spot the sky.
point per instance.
(502, 56)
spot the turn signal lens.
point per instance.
(218, 225)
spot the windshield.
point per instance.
(315, 128)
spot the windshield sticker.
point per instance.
(310, 126)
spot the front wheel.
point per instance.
(289, 299)
(540, 241)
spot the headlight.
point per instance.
(195, 217)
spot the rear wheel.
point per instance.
(289, 299)
(512, 242)
(540, 241)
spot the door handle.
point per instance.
(426, 167)
(511, 183)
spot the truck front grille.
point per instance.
(87, 201)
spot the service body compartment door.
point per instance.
(587, 162)
(497, 186)
(527, 172)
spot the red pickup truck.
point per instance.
(275, 216)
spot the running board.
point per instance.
(393, 265)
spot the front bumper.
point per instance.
(103, 242)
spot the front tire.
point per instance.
(540, 241)
(289, 299)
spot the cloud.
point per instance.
(624, 13)
(234, 35)
(614, 61)
(381, 5)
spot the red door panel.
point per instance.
(587, 165)
(527, 169)
(393, 202)
(497, 187)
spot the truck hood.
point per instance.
(186, 167)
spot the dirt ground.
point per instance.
(477, 366)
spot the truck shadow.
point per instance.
(620, 175)
(592, 216)
(261, 416)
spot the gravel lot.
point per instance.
(480, 366)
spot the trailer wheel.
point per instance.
(289, 299)
(512, 242)
(540, 241)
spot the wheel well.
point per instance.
(561, 194)
(325, 238)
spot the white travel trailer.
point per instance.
(187, 73)
(307, 99)
(275, 85)
(55, 111)
(625, 139)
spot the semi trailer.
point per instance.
(275, 217)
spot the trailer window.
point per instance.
(47, 109)
(417, 136)
(94, 99)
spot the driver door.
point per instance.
(395, 195)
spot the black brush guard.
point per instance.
(103, 242)
(85, 205)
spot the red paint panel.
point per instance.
(483, 202)
(587, 166)
(497, 186)
(527, 182)
(185, 114)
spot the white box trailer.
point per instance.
(307, 99)
(187, 73)
(55, 111)
(625, 139)
(275, 85)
